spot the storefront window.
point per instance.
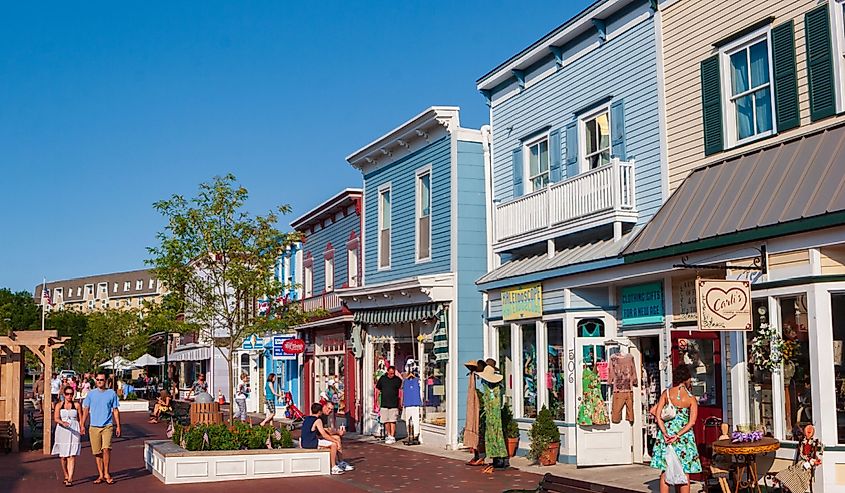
(837, 308)
(434, 410)
(700, 356)
(506, 362)
(556, 377)
(798, 406)
(758, 344)
(529, 371)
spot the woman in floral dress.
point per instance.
(677, 432)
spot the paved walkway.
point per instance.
(378, 469)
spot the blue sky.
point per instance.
(110, 106)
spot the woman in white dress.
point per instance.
(68, 432)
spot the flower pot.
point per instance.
(512, 444)
(549, 456)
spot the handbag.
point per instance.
(669, 410)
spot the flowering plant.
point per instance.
(769, 350)
(745, 437)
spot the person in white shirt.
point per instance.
(55, 386)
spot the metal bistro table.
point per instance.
(744, 456)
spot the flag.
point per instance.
(263, 307)
(269, 443)
(205, 440)
(45, 294)
(170, 429)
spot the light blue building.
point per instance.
(578, 166)
(425, 244)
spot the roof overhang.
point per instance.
(410, 291)
(401, 138)
(341, 199)
(325, 322)
(540, 49)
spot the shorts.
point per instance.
(389, 414)
(100, 438)
(324, 443)
(270, 405)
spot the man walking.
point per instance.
(101, 405)
(55, 386)
(388, 387)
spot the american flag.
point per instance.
(263, 307)
(46, 295)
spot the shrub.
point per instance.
(510, 425)
(131, 396)
(543, 432)
(239, 436)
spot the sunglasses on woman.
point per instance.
(68, 393)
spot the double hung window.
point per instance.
(330, 274)
(424, 214)
(748, 89)
(596, 132)
(384, 219)
(538, 164)
(308, 277)
(352, 265)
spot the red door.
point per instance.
(701, 352)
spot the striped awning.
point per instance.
(195, 353)
(397, 315)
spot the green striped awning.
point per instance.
(396, 315)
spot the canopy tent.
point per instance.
(118, 363)
(145, 360)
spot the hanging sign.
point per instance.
(642, 304)
(522, 302)
(294, 346)
(723, 305)
(279, 351)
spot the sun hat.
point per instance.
(476, 366)
(489, 374)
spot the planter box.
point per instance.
(172, 464)
(131, 406)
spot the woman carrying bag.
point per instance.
(675, 452)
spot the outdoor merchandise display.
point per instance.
(592, 411)
(623, 378)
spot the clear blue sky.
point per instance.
(106, 107)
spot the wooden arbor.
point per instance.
(41, 343)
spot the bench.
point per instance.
(36, 429)
(180, 412)
(557, 484)
(6, 435)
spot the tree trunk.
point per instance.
(230, 363)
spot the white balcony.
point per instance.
(598, 197)
(326, 301)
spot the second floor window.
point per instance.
(329, 274)
(352, 266)
(127, 285)
(424, 215)
(384, 220)
(748, 88)
(596, 132)
(538, 164)
(308, 280)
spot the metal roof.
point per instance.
(796, 179)
(577, 254)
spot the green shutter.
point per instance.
(786, 83)
(820, 63)
(711, 105)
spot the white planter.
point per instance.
(131, 406)
(172, 464)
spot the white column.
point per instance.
(542, 363)
(516, 375)
(739, 378)
(777, 378)
(823, 383)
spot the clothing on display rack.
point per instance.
(592, 410)
(622, 372)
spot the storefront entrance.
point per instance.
(701, 351)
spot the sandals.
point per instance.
(99, 481)
(487, 469)
(476, 462)
(67, 483)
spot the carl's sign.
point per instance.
(723, 305)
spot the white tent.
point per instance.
(118, 363)
(145, 360)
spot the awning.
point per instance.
(198, 353)
(785, 188)
(398, 315)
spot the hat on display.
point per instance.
(489, 375)
(476, 366)
(491, 362)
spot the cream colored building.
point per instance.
(120, 290)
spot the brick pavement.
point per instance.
(378, 469)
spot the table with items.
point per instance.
(744, 456)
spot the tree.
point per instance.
(218, 260)
(112, 333)
(73, 324)
(18, 311)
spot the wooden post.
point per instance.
(47, 424)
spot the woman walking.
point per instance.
(270, 396)
(676, 432)
(66, 416)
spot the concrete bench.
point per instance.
(172, 464)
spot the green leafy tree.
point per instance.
(18, 311)
(217, 260)
(112, 333)
(72, 324)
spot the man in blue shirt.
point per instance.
(411, 403)
(101, 405)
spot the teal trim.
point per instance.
(796, 281)
(761, 233)
(552, 273)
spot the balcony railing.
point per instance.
(605, 194)
(326, 301)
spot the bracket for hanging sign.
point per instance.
(757, 264)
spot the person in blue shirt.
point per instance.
(270, 396)
(314, 435)
(411, 402)
(101, 406)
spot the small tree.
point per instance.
(542, 433)
(112, 333)
(217, 260)
(72, 324)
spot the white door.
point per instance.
(608, 444)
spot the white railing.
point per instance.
(608, 188)
(327, 301)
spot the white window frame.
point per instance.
(837, 37)
(729, 109)
(426, 170)
(526, 162)
(328, 267)
(139, 284)
(583, 159)
(352, 275)
(152, 283)
(387, 187)
(89, 290)
(127, 285)
(308, 280)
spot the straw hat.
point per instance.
(476, 366)
(489, 374)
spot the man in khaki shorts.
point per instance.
(101, 405)
(389, 387)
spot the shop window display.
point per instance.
(434, 387)
(837, 308)
(529, 371)
(556, 377)
(798, 405)
(760, 365)
(506, 362)
(700, 357)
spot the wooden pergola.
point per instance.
(41, 343)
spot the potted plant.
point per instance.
(511, 431)
(545, 439)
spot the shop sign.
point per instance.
(683, 300)
(294, 346)
(723, 305)
(279, 351)
(642, 304)
(522, 302)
